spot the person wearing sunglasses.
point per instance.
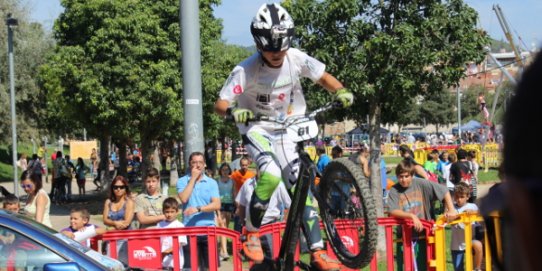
(119, 211)
(38, 203)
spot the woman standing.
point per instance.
(80, 175)
(225, 189)
(38, 203)
(119, 212)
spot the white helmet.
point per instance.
(272, 28)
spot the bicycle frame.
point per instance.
(290, 237)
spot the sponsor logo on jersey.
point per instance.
(237, 90)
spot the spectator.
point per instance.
(170, 208)
(11, 203)
(22, 163)
(119, 212)
(200, 198)
(432, 161)
(278, 209)
(336, 152)
(363, 160)
(38, 203)
(461, 195)
(148, 205)
(80, 175)
(71, 169)
(225, 189)
(408, 154)
(239, 177)
(323, 159)
(80, 229)
(411, 199)
(452, 157)
(462, 171)
(60, 178)
(35, 165)
(94, 163)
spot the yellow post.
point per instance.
(468, 241)
(440, 245)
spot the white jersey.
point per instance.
(280, 200)
(267, 91)
(167, 242)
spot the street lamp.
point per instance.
(12, 23)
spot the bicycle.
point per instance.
(343, 196)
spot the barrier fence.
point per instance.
(488, 156)
(144, 249)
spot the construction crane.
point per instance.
(506, 29)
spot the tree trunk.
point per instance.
(374, 164)
(122, 158)
(103, 167)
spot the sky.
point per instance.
(524, 18)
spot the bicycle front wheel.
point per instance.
(348, 213)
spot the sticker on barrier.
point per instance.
(143, 253)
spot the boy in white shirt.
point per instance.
(461, 195)
(80, 229)
(170, 208)
(279, 204)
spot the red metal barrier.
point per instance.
(349, 230)
(140, 242)
(144, 248)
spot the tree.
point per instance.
(437, 108)
(388, 53)
(117, 71)
(31, 45)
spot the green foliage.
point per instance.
(389, 52)
(437, 108)
(116, 68)
(31, 45)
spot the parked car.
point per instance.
(29, 244)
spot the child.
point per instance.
(411, 199)
(461, 195)
(80, 230)
(11, 203)
(170, 208)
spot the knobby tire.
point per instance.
(345, 173)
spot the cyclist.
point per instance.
(268, 83)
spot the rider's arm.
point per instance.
(329, 82)
(221, 106)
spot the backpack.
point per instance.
(64, 170)
(36, 167)
(432, 176)
(470, 179)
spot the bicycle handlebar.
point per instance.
(309, 115)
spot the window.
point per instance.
(18, 251)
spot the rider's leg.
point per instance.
(319, 257)
(259, 145)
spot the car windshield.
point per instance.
(107, 262)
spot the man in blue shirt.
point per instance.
(200, 198)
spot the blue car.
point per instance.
(29, 244)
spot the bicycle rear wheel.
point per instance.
(348, 213)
